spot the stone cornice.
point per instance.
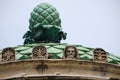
(59, 67)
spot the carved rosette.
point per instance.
(8, 54)
(100, 55)
(70, 52)
(39, 52)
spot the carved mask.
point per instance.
(70, 52)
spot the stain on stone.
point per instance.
(41, 67)
(101, 69)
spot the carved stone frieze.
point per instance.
(70, 52)
(8, 54)
(100, 55)
(39, 52)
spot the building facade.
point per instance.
(43, 57)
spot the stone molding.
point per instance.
(59, 67)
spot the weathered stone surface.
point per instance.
(87, 70)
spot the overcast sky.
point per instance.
(91, 23)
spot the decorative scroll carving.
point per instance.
(100, 55)
(8, 54)
(39, 52)
(70, 52)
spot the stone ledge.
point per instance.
(59, 67)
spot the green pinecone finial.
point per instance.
(44, 25)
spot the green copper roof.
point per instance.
(56, 51)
